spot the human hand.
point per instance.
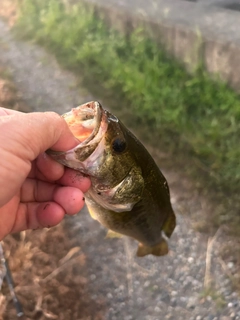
(35, 190)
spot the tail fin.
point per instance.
(160, 249)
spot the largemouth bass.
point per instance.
(129, 195)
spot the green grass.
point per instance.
(192, 113)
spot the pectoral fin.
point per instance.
(160, 249)
(169, 224)
(92, 213)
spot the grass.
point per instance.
(41, 262)
(186, 114)
(216, 296)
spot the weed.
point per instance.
(216, 296)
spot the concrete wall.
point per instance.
(192, 31)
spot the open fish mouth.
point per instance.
(88, 123)
(84, 121)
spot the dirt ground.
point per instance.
(48, 283)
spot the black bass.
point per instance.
(129, 195)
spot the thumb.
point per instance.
(22, 138)
(28, 135)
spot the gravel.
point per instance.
(150, 288)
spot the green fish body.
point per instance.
(129, 195)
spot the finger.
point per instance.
(49, 214)
(71, 199)
(75, 179)
(53, 173)
(49, 168)
(50, 131)
(37, 190)
(34, 173)
(17, 216)
(36, 215)
(8, 214)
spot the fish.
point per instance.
(129, 194)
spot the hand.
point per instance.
(36, 191)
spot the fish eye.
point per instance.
(119, 145)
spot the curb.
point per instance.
(193, 33)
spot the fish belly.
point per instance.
(126, 223)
